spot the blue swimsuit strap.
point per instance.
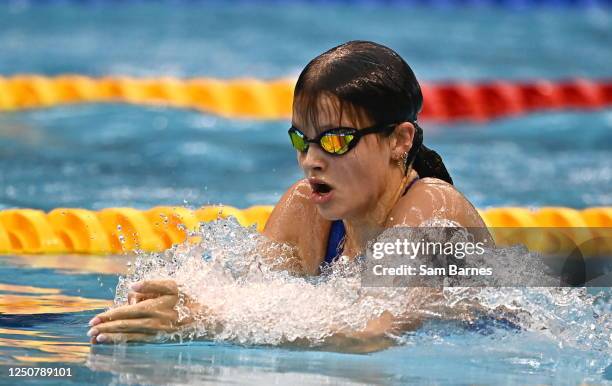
(337, 232)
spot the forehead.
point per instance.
(323, 112)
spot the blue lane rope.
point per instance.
(513, 4)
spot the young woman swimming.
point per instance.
(355, 131)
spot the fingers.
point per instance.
(145, 326)
(146, 301)
(123, 338)
(151, 289)
(160, 287)
(137, 297)
(144, 309)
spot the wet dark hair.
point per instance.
(371, 81)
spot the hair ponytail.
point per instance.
(426, 162)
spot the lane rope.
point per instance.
(512, 4)
(118, 230)
(270, 100)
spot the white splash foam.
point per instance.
(229, 272)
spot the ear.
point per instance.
(403, 136)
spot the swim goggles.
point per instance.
(336, 141)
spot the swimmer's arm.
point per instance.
(282, 257)
(295, 222)
(152, 309)
(376, 336)
(281, 239)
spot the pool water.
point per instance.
(41, 326)
(100, 156)
(97, 156)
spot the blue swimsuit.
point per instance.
(337, 233)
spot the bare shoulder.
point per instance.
(432, 198)
(290, 214)
(295, 221)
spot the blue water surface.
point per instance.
(267, 40)
(97, 156)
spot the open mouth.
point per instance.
(321, 188)
(322, 192)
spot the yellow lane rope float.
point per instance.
(117, 230)
(249, 98)
(253, 98)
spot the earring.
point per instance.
(401, 162)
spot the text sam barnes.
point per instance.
(425, 270)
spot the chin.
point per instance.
(329, 212)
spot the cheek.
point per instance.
(299, 156)
(362, 170)
(373, 158)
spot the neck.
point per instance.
(367, 226)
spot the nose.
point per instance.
(314, 159)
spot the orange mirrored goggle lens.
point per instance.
(336, 143)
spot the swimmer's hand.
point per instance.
(151, 309)
(379, 334)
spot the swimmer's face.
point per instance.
(349, 185)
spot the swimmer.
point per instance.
(354, 128)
